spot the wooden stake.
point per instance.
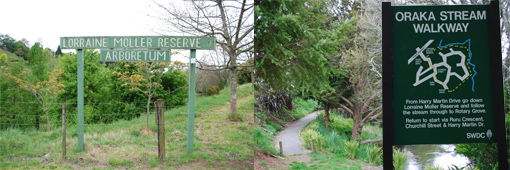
(281, 149)
(313, 145)
(161, 128)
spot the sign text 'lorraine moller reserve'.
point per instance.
(135, 55)
(133, 42)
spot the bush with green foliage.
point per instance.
(400, 159)
(350, 148)
(373, 153)
(3, 58)
(214, 90)
(484, 155)
(341, 125)
(310, 134)
(106, 100)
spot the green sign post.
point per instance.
(138, 49)
(440, 78)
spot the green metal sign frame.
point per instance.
(138, 49)
(442, 81)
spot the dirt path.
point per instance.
(291, 142)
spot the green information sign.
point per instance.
(442, 77)
(136, 42)
(135, 55)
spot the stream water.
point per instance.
(433, 155)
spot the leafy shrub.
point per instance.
(313, 125)
(373, 153)
(272, 128)
(400, 159)
(310, 134)
(3, 58)
(351, 148)
(484, 155)
(214, 90)
(341, 125)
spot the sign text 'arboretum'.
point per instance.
(135, 55)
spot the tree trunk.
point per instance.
(148, 106)
(252, 77)
(326, 115)
(37, 122)
(47, 121)
(233, 87)
(233, 93)
(357, 118)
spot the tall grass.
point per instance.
(337, 139)
(263, 140)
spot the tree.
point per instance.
(21, 50)
(25, 42)
(8, 43)
(293, 46)
(364, 63)
(142, 80)
(231, 23)
(59, 51)
(38, 61)
(44, 91)
(297, 47)
(211, 61)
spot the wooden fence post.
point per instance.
(313, 145)
(161, 128)
(64, 130)
(281, 149)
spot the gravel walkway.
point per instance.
(291, 142)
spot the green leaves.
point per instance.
(297, 45)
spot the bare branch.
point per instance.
(346, 109)
(347, 101)
(369, 117)
(371, 141)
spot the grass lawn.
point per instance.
(218, 141)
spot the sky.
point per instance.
(48, 20)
